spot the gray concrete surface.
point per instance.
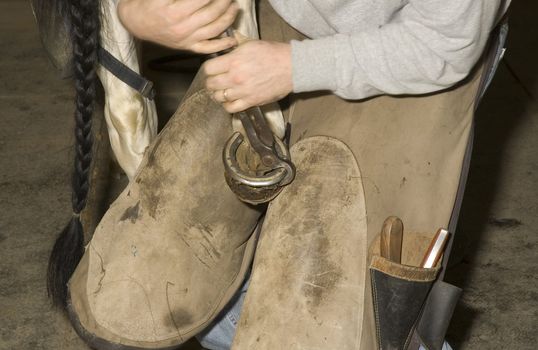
(495, 257)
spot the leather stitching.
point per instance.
(376, 308)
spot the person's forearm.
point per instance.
(418, 52)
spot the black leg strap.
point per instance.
(126, 74)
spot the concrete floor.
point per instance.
(495, 256)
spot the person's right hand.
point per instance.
(192, 25)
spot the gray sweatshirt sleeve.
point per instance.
(430, 45)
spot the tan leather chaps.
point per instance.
(176, 245)
(318, 281)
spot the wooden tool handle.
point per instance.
(391, 239)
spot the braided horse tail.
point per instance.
(83, 17)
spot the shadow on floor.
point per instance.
(506, 106)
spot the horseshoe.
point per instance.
(262, 182)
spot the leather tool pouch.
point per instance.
(399, 292)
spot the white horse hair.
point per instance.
(132, 118)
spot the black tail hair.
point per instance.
(84, 21)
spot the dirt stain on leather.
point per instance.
(323, 275)
(320, 274)
(181, 317)
(313, 158)
(156, 180)
(131, 213)
(153, 150)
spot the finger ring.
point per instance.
(225, 94)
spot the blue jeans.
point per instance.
(219, 335)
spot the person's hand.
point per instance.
(192, 25)
(256, 73)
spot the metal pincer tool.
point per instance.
(256, 170)
(256, 178)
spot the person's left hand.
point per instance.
(255, 73)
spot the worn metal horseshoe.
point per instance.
(261, 183)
